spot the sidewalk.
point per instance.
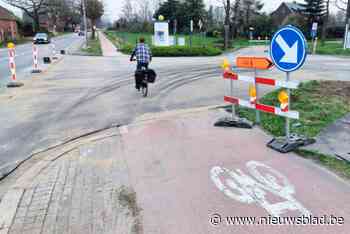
(170, 173)
(331, 141)
(108, 49)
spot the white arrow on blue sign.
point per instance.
(288, 49)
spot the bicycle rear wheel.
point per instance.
(144, 90)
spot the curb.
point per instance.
(12, 198)
(171, 114)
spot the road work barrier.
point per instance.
(12, 64)
(47, 60)
(288, 54)
(35, 59)
(291, 141)
(54, 52)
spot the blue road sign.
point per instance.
(288, 49)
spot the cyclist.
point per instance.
(143, 56)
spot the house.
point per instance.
(285, 11)
(8, 25)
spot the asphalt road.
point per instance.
(24, 55)
(84, 94)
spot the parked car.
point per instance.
(41, 38)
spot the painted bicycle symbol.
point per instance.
(255, 188)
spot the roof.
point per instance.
(294, 6)
(6, 14)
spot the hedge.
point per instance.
(176, 51)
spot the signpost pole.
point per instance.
(233, 109)
(257, 118)
(315, 45)
(191, 32)
(346, 36)
(287, 119)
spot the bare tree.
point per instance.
(144, 10)
(325, 21)
(227, 8)
(128, 10)
(94, 11)
(344, 5)
(33, 8)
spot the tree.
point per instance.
(325, 21)
(236, 18)
(172, 10)
(144, 10)
(344, 5)
(195, 10)
(314, 11)
(127, 11)
(64, 11)
(94, 11)
(245, 14)
(251, 8)
(33, 8)
(262, 25)
(210, 16)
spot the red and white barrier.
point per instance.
(262, 107)
(35, 57)
(12, 63)
(260, 80)
(54, 52)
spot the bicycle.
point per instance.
(143, 84)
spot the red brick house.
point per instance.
(8, 25)
(286, 10)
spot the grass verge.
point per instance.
(126, 42)
(19, 41)
(340, 167)
(93, 48)
(330, 48)
(319, 103)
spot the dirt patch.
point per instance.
(127, 199)
(335, 88)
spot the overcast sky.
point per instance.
(15, 10)
(113, 6)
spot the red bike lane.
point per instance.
(191, 177)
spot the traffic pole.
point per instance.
(12, 64)
(287, 119)
(35, 60)
(54, 54)
(257, 117)
(233, 108)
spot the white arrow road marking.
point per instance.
(290, 53)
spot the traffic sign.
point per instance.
(260, 63)
(314, 30)
(288, 49)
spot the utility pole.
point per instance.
(347, 21)
(85, 23)
(227, 8)
(348, 12)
